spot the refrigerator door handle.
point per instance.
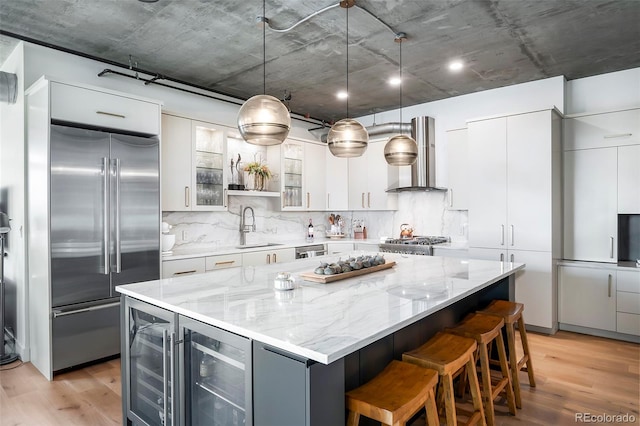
(118, 242)
(105, 212)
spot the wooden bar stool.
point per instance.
(448, 354)
(395, 395)
(484, 329)
(511, 312)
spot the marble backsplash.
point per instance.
(425, 211)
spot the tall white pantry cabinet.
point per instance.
(515, 203)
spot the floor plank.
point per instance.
(574, 373)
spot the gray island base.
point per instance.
(306, 347)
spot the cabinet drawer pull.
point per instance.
(275, 258)
(185, 272)
(501, 257)
(619, 135)
(226, 262)
(609, 285)
(110, 114)
(268, 259)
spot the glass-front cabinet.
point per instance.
(292, 178)
(149, 365)
(217, 376)
(208, 158)
(179, 371)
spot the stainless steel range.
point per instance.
(415, 245)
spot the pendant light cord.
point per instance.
(348, 94)
(401, 82)
(264, 48)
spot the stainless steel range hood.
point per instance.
(423, 172)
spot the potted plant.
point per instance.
(259, 173)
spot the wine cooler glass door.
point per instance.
(217, 376)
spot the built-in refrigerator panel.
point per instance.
(135, 211)
(78, 193)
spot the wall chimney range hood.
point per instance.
(423, 172)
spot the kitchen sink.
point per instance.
(256, 245)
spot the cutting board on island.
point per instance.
(324, 279)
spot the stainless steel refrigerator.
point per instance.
(104, 231)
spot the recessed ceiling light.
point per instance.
(342, 95)
(395, 81)
(455, 65)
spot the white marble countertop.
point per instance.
(187, 253)
(322, 322)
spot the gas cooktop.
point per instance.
(415, 245)
(426, 240)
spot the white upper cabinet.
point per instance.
(193, 158)
(337, 182)
(314, 176)
(457, 169)
(590, 205)
(514, 181)
(369, 178)
(529, 181)
(292, 175)
(602, 130)
(629, 179)
(488, 183)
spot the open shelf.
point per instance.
(253, 193)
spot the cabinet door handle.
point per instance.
(110, 114)
(193, 271)
(268, 259)
(172, 374)
(611, 247)
(450, 197)
(226, 262)
(369, 199)
(308, 198)
(328, 205)
(363, 200)
(619, 135)
(186, 196)
(512, 257)
(511, 229)
(275, 258)
(501, 235)
(283, 199)
(165, 380)
(610, 279)
(501, 257)
(224, 197)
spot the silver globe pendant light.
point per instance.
(401, 150)
(347, 137)
(263, 119)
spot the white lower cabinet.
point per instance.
(628, 303)
(268, 257)
(535, 286)
(587, 297)
(367, 246)
(180, 267)
(333, 248)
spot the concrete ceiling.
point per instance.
(216, 44)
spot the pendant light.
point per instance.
(347, 137)
(263, 119)
(401, 150)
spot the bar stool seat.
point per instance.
(511, 313)
(484, 329)
(448, 354)
(395, 395)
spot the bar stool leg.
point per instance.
(353, 419)
(513, 363)
(525, 347)
(474, 386)
(486, 385)
(431, 409)
(449, 400)
(504, 366)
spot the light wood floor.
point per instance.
(574, 373)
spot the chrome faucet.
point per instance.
(244, 228)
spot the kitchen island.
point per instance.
(301, 349)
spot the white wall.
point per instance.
(603, 93)
(12, 179)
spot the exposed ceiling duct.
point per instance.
(375, 130)
(423, 171)
(8, 87)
